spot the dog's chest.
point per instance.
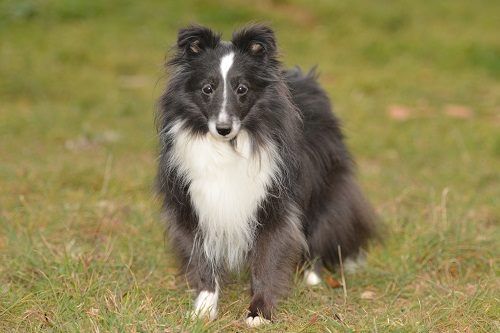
(226, 186)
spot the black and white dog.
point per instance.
(253, 170)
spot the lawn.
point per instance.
(82, 249)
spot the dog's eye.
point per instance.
(207, 89)
(241, 90)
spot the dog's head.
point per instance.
(222, 82)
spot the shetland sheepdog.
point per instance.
(253, 170)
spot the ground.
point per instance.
(82, 248)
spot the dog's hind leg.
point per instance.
(312, 273)
(342, 219)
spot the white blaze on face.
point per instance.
(225, 64)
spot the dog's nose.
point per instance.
(223, 128)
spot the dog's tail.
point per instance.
(344, 227)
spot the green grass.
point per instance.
(81, 242)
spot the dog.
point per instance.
(253, 170)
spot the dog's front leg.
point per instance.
(275, 256)
(200, 273)
(205, 305)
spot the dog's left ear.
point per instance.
(256, 40)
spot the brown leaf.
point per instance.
(458, 111)
(453, 270)
(470, 289)
(80, 143)
(93, 312)
(332, 283)
(399, 112)
(314, 318)
(368, 294)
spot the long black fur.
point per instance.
(316, 182)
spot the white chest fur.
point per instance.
(227, 185)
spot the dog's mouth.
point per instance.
(224, 131)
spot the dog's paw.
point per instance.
(353, 265)
(256, 321)
(312, 278)
(205, 306)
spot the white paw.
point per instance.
(256, 321)
(205, 305)
(353, 265)
(311, 278)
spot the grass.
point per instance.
(81, 244)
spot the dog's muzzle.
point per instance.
(224, 130)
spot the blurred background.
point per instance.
(416, 84)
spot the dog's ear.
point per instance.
(257, 40)
(195, 39)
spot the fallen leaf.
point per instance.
(458, 111)
(332, 283)
(453, 270)
(368, 294)
(399, 112)
(48, 321)
(470, 289)
(80, 143)
(93, 312)
(314, 318)
(86, 142)
(108, 136)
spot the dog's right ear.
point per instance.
(195, 39)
